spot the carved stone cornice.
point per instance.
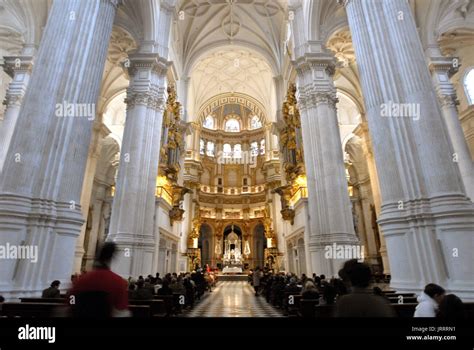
(448, 100)
(14, 64)
(148, 61)
(153, 98)
(315, 80)
(311, 99)
(19, 68)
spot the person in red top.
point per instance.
(100, 293)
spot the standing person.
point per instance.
(429, 301)
(52, 291)
(101, 293)
(256, 281)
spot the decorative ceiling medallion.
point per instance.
(231, 25)
(267, 8)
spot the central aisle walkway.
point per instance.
(234, 299)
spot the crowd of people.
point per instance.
(103, 292)
(352, 293)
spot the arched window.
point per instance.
(255, 122)
(202, 147)
(262, 146)
(238, 151)
(254, 149)
(469, 86)
(208, 122)
(210, 149)
(227, 150)
(232, 125)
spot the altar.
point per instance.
(232, 259)
(232, 269)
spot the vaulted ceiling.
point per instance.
(231, 69)
(206, 24)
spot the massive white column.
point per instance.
(328, 198)
(41, 180)
(19, 68)
(426, 217)
(133, 210)
(441, 70)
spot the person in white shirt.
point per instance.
(429, 301)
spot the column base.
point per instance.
(134, 257)
(43, 233)
(431, 241)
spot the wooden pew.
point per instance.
(33, 310)
(157, 307)
(405, 300)
(169, 303)
(43, 300)
(325, 311)
(291, 303)
(50, 310)
(405, 310)
(395, 295)
(308, 307)
(140, 311)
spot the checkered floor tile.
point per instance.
(233, 299)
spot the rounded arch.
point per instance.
(235, 98)
(220, 45)
(467, 81)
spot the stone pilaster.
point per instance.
(328, 198)
(42, 175)
(132, 221)
(367, 147)
(426, 217)
(441, 70)
(100, 131)
(19, 68)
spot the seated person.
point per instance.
(451, 308)
(309, 291)
(361, 302)
(142, 292)
(52, 291)
(165, 289)
(429, 301)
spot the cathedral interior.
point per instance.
(238, 134)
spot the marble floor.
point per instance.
(233, 299)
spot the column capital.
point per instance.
(147, 73)
(116, 3)
(442, 69)
(148, 61)
(315, 80)
(448, 65)
(344, 3)
(13, 64)
(19, 68)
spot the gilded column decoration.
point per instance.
(292, 153)
(171, 152)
